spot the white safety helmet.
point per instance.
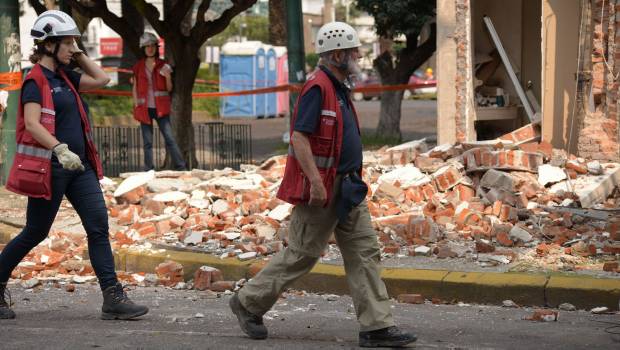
(148, 38)
(336, 35)
(53, 23)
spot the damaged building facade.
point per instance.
(563, 54)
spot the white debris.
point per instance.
(407, 176)
(595, 167)
(567, 307)
(281, 212)
(247, 256)
(549, 174)
(266, 231)
(509, 303)
(422, 250)
(219, 207)
(31, 283)
(600, 310)
(172, 196)
(193, 238)
(232, 235)
(134, 182)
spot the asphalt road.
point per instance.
(50, 318)
(418, 120)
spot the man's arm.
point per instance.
(303, 154)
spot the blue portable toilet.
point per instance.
(239, 62)
(272, 77)
(261, 82)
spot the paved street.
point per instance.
(51, 318)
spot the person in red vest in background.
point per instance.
(323, 180)
(152, 83)
(56, 156)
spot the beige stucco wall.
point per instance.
(446, 71)
(560, 31)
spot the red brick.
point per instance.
(222, 286)
(610, 266)
(205, 276)
(169, 273)
(147, 229)
(391, 249)
(411, 298)
(482, 247)
(503, 239)
(447, 177)
(256, 267)
(134, 196)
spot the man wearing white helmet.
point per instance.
(56, 157)
(152, 84)
(323, 180)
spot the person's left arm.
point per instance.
(166, 71)
(94, 77)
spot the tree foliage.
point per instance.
(396, 17)
(392, 19)
(256, 28)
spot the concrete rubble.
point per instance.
(491, 202)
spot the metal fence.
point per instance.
(218, 145)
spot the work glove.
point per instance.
(68, 159)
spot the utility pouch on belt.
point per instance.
(352, 192)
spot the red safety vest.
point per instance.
(325, 144)
(31, 173)
(162, 97)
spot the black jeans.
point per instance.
(84, 192)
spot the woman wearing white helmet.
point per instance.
(56, 157)
(152, 83)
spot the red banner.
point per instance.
(111, 46)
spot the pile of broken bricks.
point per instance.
(513, 199)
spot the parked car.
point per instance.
(419, 78)
(369, 78)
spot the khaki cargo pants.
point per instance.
(310, 230)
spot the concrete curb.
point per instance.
(584, 292)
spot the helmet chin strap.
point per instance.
(54, 54)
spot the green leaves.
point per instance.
(396, 17)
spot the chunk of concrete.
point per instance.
(171, 196)
(592, 189)
(519, 233)
(407, 176)
(595, 167)
(281, 212)
(134, 182)
(497, 179)
(549, 174)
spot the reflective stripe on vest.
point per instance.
(321, 162)
(140, 101)
(34, 151)
(48, 111)
(328, 113)
(160, 93)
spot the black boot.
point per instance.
(251, 324)
(5, 307)
(390, 337)
(117, 306)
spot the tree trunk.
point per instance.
(389, 120)
(184, 74)
(277, 23)
(129, 59)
